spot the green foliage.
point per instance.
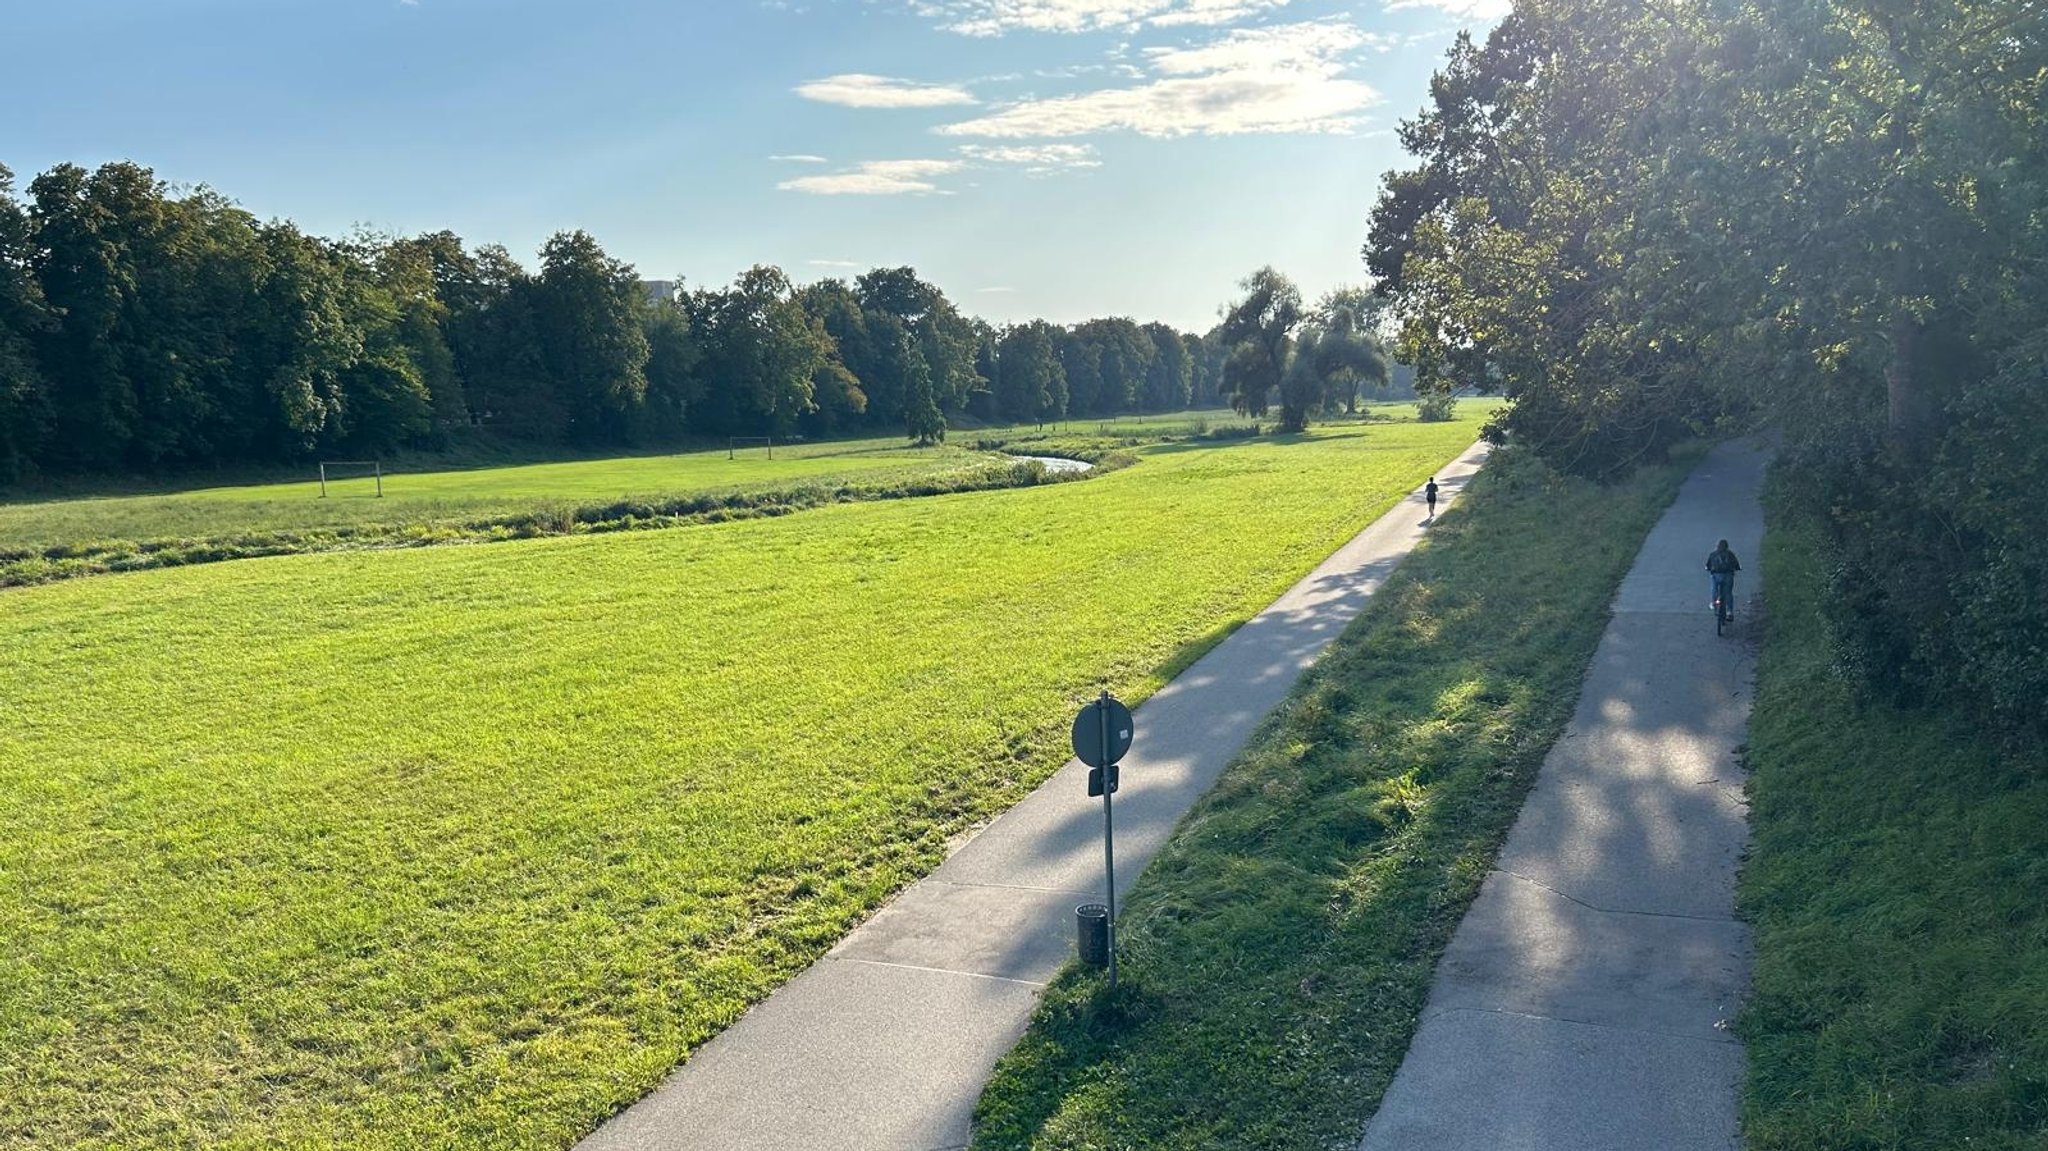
(765, 351)
(1894, 884)
(1259, 333)
(1436, 406)
(1278, 951)
(1170, 374)
(24, 396)
(1641, 223)
(590, 336)
(1031, 383)
(143, 330)
(468, 846)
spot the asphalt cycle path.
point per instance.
(885, 1043)
(1585, 999)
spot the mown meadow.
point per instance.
(466, 846)
(427, 496)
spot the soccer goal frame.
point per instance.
(735, 443)
(376, 471)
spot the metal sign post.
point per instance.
(1108, 837)
(1102, 735)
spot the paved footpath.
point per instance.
(1584, 1001)
(886, 1042)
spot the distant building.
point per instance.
(659, 291)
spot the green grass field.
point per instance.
(1277, 954)
(466, 846)
(437, 496)
(1896, 884)
(422, 492)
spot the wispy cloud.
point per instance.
(995, 291)
(834, 263)
(1465, 9)
(799, 159)
(1281, 79)
(877, 178)
(996, 17)
(1036, 159)
(860, 90)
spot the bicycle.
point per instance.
(1724, 600)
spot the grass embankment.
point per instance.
(44, 539)
(436, 496)
(1278, 952)
(1898, 884)
(465, 847)
(59, 539)
(24, 568)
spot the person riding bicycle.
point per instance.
(1722, 565)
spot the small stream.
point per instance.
(1056, 464)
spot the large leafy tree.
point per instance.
(1031, 384)
(407, 269)
(762, 354)
(939, 372)
(1081, 367)
(1170, 375)
(587, 307)
(87, 228)
(1123, 355)
(1333, 360)
(493, 329)
(1258, 330)
(303, 345)
(24, 318)
(1641, 221)
(673, 384)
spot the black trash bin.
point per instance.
(1091, 933)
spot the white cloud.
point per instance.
(1465, 9)
(860, 90)
(835, 263)
(1285, 78)
(877, 178)
(995, 291)
(1037, 159)
(996, 17)
(798, 159)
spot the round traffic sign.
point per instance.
(1089, 731)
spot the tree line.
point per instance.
(144, 329)
(1828, 217)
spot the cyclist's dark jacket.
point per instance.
(1723, 562)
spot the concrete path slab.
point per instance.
(1505, 1082)
(1584, 1000)
(886, 1042)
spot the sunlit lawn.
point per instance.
(426, 497)
(466, 846)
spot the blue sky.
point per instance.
(1056, 158)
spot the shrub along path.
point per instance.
(1585, 1000)
(886, 1043)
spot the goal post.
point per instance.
(734, 444)
(376, 472)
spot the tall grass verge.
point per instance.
(1898, 885)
